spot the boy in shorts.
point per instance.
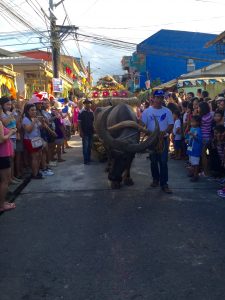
(194, 149)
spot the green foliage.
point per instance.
(156, 82)
(144, 96)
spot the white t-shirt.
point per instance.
(163, 115)
(35, 132)
(177, 124)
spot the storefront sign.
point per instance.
(57, 85)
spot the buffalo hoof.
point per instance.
(115, 185)
(128, 181)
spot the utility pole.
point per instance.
(55, 41)
(89, 72)
(57, 34)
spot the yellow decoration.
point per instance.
(76, 68)
(9, 83)
(3, 81)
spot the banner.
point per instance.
(57, 85)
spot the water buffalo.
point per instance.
(118, 128)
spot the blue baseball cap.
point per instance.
(65, 109)
(159, 93)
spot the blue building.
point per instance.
(170, 53)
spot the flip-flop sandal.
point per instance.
(7, 206)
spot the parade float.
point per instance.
(109, 92)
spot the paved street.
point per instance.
(73, 238)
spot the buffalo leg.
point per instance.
(117, 169)
(127, 180)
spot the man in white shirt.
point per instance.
(163, 115)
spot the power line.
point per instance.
(34, 8)
(16, 5)
(21, 44)
(152, 25)
(20, 18)
(11, 22)
(74, 33)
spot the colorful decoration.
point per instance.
(108, 87)
(123, 94)
(40, 95)
(115, 94)
(108, 83)
(69, 71)
(105, 94)
(95, 94)
(8, 86)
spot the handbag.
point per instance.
(37, 142)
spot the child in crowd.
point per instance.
(206, 127)
(216, 152)
(184, 107)
(187, 126)
(177, 135)
(195, 102)
(218, 118)
(195, 147)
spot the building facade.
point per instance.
(168, 54)
(34, 72)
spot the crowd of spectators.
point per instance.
(33, 137)
(199, 133)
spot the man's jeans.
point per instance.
(87, 144)
(159, 167)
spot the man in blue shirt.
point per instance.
(163, 115)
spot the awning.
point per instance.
(188, 82)
(166, 85)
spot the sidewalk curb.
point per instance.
(13, 195)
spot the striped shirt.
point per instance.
(220, 151)
(206, 126)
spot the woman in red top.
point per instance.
(6, 151)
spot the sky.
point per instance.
(130, 21)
